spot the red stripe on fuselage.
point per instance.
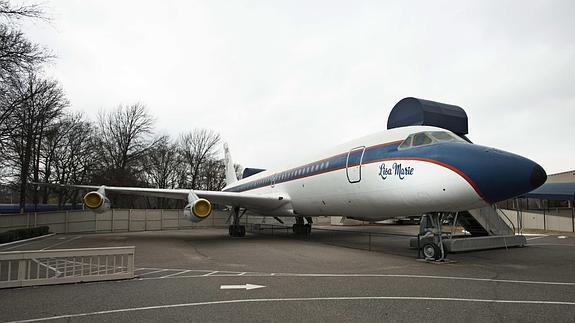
(452, 168)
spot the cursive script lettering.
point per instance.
(396, 169)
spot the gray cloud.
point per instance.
(277, 78)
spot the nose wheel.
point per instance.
(431, 251)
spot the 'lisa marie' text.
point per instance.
(396, 169)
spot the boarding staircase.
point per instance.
(485, 228)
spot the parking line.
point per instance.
(303, 299)
(209, 274)
(175, 274)
(62, 242)
(153, 272)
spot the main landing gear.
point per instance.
(430, 236)
(300, 228)
(237, 230)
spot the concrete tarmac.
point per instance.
(328, 276)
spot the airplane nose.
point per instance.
(495, 175)
(502, 175)
(538, 176)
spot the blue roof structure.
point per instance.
(413, 112)
(553, 191)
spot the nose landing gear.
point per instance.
(430, 236)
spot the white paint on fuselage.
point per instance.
(432, 187)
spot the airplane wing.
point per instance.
(244, 200)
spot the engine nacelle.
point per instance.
(198, 210)
(96, 202)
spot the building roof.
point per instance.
(553, 191)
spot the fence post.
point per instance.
(35, 220)
(129, 220)
(573, 215)
(28, 220)
(21, 269)
(544, 224)
(369, 234)
(66, 221)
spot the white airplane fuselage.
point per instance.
(373, 178)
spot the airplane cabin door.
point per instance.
(353, 164)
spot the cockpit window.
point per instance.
(421, 139)
(444, 136)
(406, 143)
(428, 138)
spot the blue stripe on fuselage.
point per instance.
(494, 174)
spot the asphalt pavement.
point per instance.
(201, 275)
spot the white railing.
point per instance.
(46, 267)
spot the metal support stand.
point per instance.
(300, 227)
(236, 229)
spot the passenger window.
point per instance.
(421, 139)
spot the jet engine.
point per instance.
(96, 202)
(197, 209)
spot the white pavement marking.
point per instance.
(62, 242)
(303, 299)
(56, 271)
(244, 286)
(175, 274)
(562, 237)
(539, 237)
(280, 275)
(552, 244)
(209, 274)
(27, 242)
(153, 272)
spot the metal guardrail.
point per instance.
(276, 229)
(47, 267)
(507, 220)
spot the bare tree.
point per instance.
(214, 175)
(69, 154)
(15, 12)
(40, 102)
(162, 164)
(124, 137)
(197, 147)
(18, 57)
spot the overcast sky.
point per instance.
(283, 79)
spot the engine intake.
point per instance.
(97, 202)
(198, 210)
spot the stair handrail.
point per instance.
(497, 210)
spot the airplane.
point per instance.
(401, 171)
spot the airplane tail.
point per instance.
(230, 169)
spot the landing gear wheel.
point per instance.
(431, 251)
